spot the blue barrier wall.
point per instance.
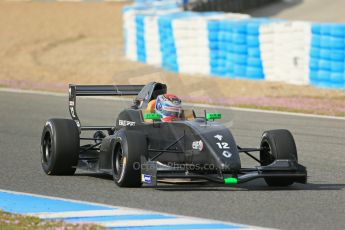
(140, 31)
(167, 43)
(327, 56)
(237, 47)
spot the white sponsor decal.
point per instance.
(227, 154)
(72, 111)
(126, 123)
(145, 178)
(198, 145)
(223, 145)
(219, 137)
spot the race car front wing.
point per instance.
(153, 172)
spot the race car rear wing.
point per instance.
(97, 90)
(105, 90)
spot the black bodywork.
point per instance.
(189, 148)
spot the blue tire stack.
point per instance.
(327, 56)
(140, 30)
(235, 48)
(166, 37)
(254, 68)
(217, 42)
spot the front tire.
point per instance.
(129, 148)
(60, 147)
(278, 145)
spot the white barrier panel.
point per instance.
(284, 50)
(153, 54)
(192, 41)
(150, 35)
(130, 34)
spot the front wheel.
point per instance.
(277, 145)
(60, 147)
(130, 146)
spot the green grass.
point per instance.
(9, 221)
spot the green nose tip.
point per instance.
(230, 180)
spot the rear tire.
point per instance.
(126, 161)
(277, 145)
(60, 147)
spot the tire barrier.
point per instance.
(235, 48)
(232, 45)
(327, 55)
(285, 51)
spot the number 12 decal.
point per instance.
(223, 145)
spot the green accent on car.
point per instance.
(230, 180)
(213, 116)
(152, 116)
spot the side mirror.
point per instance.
(152, 116)
(213, 116)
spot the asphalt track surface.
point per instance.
(320, 204)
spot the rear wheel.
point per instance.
(126, 162)
(60, 147)
(277, 145)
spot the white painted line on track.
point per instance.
(112, 0)
(68, 1)
(12, 90)
(156, 222)
(88, 213)
(264, 111)
(187, 104)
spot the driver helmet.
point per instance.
(168, 106)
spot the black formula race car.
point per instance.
(140, 149)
